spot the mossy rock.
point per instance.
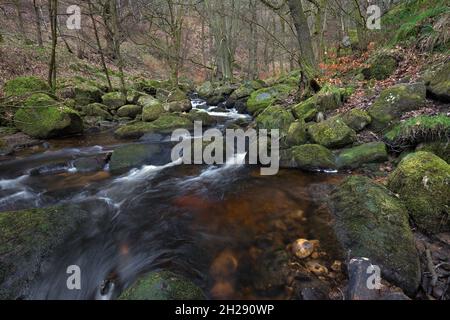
(176, 95)
(297, 134)
(27, 239)
(96, 110)
(152, 112)
(313, 157)
(356, 119)
(163, 285)
(275, 117)
(21, 86)
(85, 94)
(42, 118)
(332, 133)
(133, 96)
(114, 100)
(246, 89)
(166, 123)
(366, 153)
(439, 148)
(204, 117)
(422, 180)
(129, 111)
(413, 131)
(371, 222)
(394, 101)
(178, 106)
(438, 84)
(206, 89)
(381, 67)
(132, 156)
(262, 98)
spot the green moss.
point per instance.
(262, 98)
(25, 85)
(356, 119)
(297, 134)
(275, 117)
(163, 285)
(367, 153)
(313, 157)
(438, 83)
(246, 89)
(114, 100)
(411, 132)
(382, 65)
(129, 110)
(85, 93)
(422, 180)
(41, 117)
(394, 101)
(332, 133)
(96, 110)
(371, 222)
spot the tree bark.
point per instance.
(38, 17)
(53, 14)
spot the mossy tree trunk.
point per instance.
(53, 14)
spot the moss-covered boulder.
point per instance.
(262, 98)
(42, 117)
(205, 90)
(200, 115)
(178, 106)
(297, 134)
(96, 110)
(21, 86)
(85, 94)
(176, 95)
(371, 222)
(366, 153)
(313, 157)
(132, 156)
(394, 101)
(438, 84)
(129, 111)
(422, 181)
(356, 119)
(413, 131)
(163, 285)
(275, 117)
(152, 108)
(439, 148)
(246, 89)
(114, 100)
(332, 133)
(305, 110)
(166, 123)
(27, 239)
(382, 65)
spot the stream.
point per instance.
(225, 227)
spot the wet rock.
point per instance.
(129, 110)
(262, 98)
(367, 153)
(27, 240)
(422, 181)
(302, 248)
(42, 117)
(134, 155)
(316, 268)
(371, 222)
(394, 101)
(356, 119)
(114, 100)
(360, 271)
(332, 133)
(49, 169)
(17, 141)
(438, 84)
(91, 164)
(163, 285)
(313, 157)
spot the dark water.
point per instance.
(224, 227)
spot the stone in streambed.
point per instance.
(366, 153)
(275, 117)
(129, 111)
(85, 93)
(332, 133)
(297, 134)
(96, 110)
(133, 156)
(163, 285)
(312, 157)
(371, 222)
(114, 100)
(262, 98)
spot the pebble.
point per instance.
(302, 248)
(316, 268)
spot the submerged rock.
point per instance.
(42, 117)
(134, 155)
(27, 239)
(163, 285)
(367, 153)
(394, 101)
(332, 133)
(422, 181)
(371, 222)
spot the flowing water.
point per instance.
(224, 227)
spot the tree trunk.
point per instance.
(116, 42)
(53, 14)
(20, 20)
(38, 17)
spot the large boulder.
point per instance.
(394, 101)
(176, 95)
(27, 239)
(205, 90)
(178, 106)
(96, 110)
(372, 223)
(313, 157)
(85, 94)
(21, 86)
(200, 115)
(151, 108)
(275, 117)
(439, 148)
(262, 98)
(356, 119)
(114, 100)
(133, 155)
(438, 84)
(42, 117)
(246, 89)
(382, 65)
(129, 111)
(163, 285)
(366, 153)
(165, 124)
(422, 181)
(332, 133)
(297, 134)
